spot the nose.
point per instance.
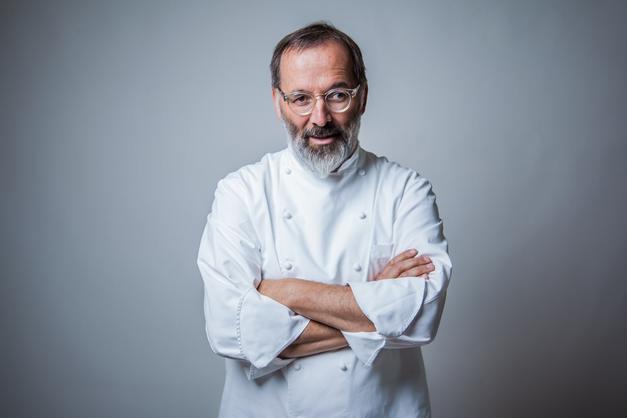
(320, 115)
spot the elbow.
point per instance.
(221, 349)
(227, 343)
(223, 342)
(430, 334)
(433, 316)
(416, 336)
(424, 328)
(427, 334)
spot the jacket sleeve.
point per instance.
(406, 311)
(241, 323)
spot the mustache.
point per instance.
(322, 131)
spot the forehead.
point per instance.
(315, 68)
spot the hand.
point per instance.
(406, 264)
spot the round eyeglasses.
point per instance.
(338, 100)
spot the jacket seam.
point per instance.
(238, 323)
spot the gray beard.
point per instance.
(322, 160)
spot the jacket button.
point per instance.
(287, 214)
(344, 367)
(357, 267)
(362, 215)
(288, 171)
(297, 367)
(288, 266)
(361, 171)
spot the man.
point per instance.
(325, 267)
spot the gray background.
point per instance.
(118, 119)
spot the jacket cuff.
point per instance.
(365, 345)
(265, 327)
(276, 364)
(391, 304)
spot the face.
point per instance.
(322, 140)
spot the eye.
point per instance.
(301, 99)
(337, 96)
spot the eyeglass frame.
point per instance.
(352, 93)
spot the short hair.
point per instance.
(313, 35)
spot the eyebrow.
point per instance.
(335, 85)
(339, 84)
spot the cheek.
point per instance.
(300, 124)
(301, 127)
(295, 124)
(344, 119)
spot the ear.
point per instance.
(276, 100)
(364, 99)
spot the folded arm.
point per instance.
(384, 314)
(334, 305)
(330, 304)
(268, 324)
(241, 323)
(406, 312)
(316, 338)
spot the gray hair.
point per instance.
(313, 35)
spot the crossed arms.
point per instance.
(333, 308)
(268, 322)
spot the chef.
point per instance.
(325, 267)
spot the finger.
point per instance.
(412, 262)
(418, 271)
(394, 270)
(423, 259)
(404, 255)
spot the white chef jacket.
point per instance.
(275, 219)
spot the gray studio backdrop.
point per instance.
(118, 119)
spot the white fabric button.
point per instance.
(362, 215)
(288, 266)
(343, 367)
(297, 366)
(361, 171)
(357, 267)
(287, 214)
(288, 171)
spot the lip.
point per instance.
(322, 140)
